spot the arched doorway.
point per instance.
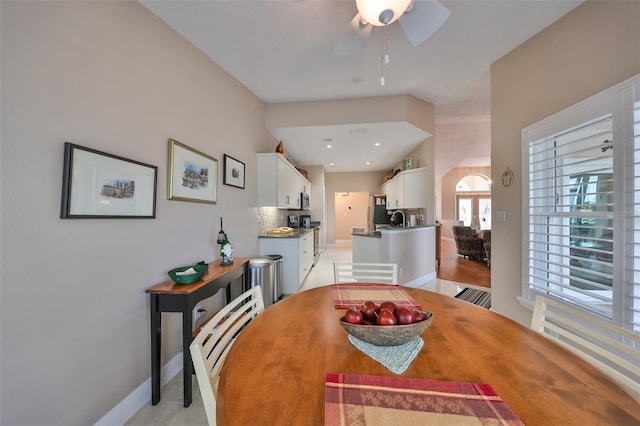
(473, 201)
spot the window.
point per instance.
(473, 201)
(581, 215)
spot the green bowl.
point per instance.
(188, 279)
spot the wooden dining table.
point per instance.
(276, 370)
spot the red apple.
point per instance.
(404, 316)
(386, 317)
(418, 316)
(388, 305)
(352, 316)
(369, 310)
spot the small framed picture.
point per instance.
(100, 185)
(193, 176)
(233, 172)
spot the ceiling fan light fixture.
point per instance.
(382, 12)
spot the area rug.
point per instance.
(352, 399)
(354, 295)
(477, 297)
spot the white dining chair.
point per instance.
(606, 346)
(384, 273)
(210, 347)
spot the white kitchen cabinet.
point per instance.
(297, 258)
(407, 190)
(393, 189)
(279, 183)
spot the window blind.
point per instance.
(581, 212)
(631, 299)
(570, 223)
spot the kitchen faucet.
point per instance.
(402, 213)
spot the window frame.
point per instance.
(620, 101)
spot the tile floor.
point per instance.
(170, 410)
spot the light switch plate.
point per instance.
(501, 215)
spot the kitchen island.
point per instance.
(412, 249)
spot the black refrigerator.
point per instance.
(377, 212)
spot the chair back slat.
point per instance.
(385, 273)
(610, 348)
(211, 346)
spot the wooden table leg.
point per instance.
(187, 366)
(156, 322)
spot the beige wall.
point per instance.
(110, 76)
(350, 211)
(593, 47)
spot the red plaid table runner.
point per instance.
(352, 399)
(354, 295)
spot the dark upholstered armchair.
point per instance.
(468, 243)
(486, 236)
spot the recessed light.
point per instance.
(329, 146)
(368, 163)
(377, 144)
(332, 164)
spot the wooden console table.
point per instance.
(171, 297)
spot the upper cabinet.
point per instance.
(407, 190)
(279, 183)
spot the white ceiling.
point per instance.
(282, 50)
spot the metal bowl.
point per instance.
(387, 335)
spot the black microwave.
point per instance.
(305, 204)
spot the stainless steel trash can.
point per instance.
(277, 276)
(261, 273)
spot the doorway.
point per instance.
(350, 212)
(473, 201)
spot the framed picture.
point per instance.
(100, 185)
(193, 176)
(233, 172)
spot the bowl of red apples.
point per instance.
(385, 324)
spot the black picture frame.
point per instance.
(234, 172)
(99, 185)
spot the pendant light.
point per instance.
(382, 12)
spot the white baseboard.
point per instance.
(141, 396)
(420, 281)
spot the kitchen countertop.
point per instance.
(378, 234)
(297, 233)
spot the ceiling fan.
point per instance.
(419, 20)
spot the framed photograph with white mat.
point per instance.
(193, 175)
(100, 185)
(233, 172)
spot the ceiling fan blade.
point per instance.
(354, 39)
(422, 19)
